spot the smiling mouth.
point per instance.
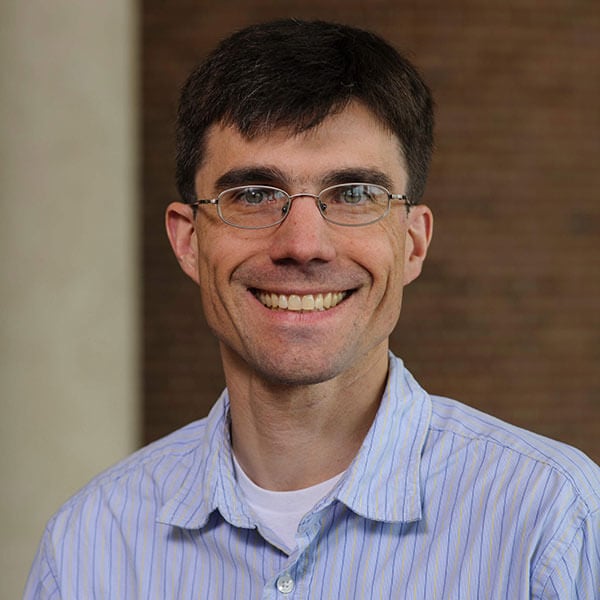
(297, 303)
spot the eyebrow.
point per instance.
(276, 177)
(248, 176)
(357, 175)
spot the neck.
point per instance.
(289, 437)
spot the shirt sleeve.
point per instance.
(42, 583)
(576, 570)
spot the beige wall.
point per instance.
(68, 272)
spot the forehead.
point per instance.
(350, 140)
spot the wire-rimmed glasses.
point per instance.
(346, 204)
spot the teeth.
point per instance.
(307, 303)
(294, 302)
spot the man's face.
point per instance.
(363, 269)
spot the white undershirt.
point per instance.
(282, 511)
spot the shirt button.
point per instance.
(285, 584)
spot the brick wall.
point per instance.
(506, 314)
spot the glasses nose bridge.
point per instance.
(302, 194)
(292, 197)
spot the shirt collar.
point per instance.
(382, 482)
(210, 482)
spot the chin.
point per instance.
(295, 371)
(289, 379)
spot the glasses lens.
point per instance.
(354, 203)
(253, 206)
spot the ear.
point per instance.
(418, 237)
(179, 221)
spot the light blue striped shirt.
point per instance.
(441, 502)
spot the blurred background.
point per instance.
(103, 344)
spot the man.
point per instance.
(324, 470)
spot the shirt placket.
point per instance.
(291, 582)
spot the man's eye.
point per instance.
(253, 196)
(358, 194)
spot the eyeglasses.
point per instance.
(347, 204)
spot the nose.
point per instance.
(304, 235)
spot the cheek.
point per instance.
(210, 270)
(387, 260)
(207, 290)
(219, 257)
(212, 251)
(389, 280)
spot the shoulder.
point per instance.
(462, 439)
(162, 465)
(105, 517)
(542, 494)
(563, 463)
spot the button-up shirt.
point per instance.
(441, 502)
